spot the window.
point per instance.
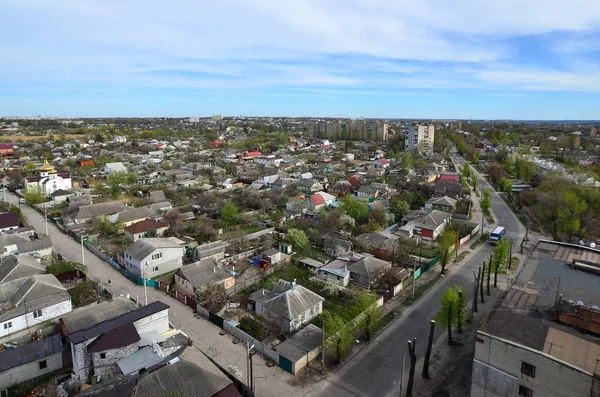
(37, 313)
(102, 355)
(525, 391)
(8, 325)
(43, 364)
(312, 311)
(4, 393)
(155, 269)
(157, 256)
(527, 369)
(302, 317)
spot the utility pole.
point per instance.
(510, 254)
(402, 375)
(323, 345)
(456, 250)
(82, 250)
(145, 290)
(251, 372)
(46, 218)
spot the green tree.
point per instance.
(525, 169)
(115, 182)
(30, 168)
(451, 309)
(444, 247)
(486, 201)
(34, 195)
(505, 185)
(229, 214)
(340, 336)
(370, 314)
(401, 208)
(406, 161)
(570, 215)
(357, 209)
(499, 259)
(467, 172)
(297, 238)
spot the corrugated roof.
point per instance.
(301, 343)
(145, 226)
(292, 300)
(205, 272)
(105, 326)
(146, 246)
(30, 352)
(122, 336)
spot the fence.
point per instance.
(259, 347)
(240, 286)
(242, 255)
(188, 300)
(251, 236)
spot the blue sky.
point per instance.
(476, 59)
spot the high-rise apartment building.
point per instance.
(420, 137)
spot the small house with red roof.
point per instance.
(381, 163)
(215, 143)
(320, 200)
(6, 150)
(140, 229)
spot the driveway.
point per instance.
(270, 381)
(376, 370)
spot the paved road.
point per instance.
(376, 370)
(271, 382)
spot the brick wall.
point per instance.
(158, 322)
(552, 377)
(579, 317)
(108, 365)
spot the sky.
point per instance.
(480, 59)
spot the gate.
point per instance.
(388, 295)
(191, 302)
(215, 319)
(285, 364)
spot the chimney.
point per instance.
(263, 291)
(294, 284)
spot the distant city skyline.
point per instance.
(495, 60)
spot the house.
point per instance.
(337, 244)
(367, 193)
(341, 188)
(119, 139)
(140, 230)
(271, 256)
(450, 189)
(132, 215)
(19, 266)
(115, 168)
(320, 200)
(381, 163)
(301, 348)
(335, 272)
(48, 181)
(11, 244)
(29, 301)
(309, 185)
(289, 306)
(450, 178)
(9, 221)
(83, 213)
(381, 244)
(157, 196)
(85, 162)
(428, 225)
(365, 270)
(29, 361)
(200, 275)
(215, 250)
(151, 257)
(189, 374)
(101, 336)
(60, 196)
(446, 204)
(6, 150)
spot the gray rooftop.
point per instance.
(146, 246)
(17, 266)
(291, 300)
(203, 273)
(30, 352)
(91, 315)
(90, 211)
(301, 343)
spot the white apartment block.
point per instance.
(419, 138)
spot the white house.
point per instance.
(119, 139)
(29, 301)
(48, 181)
(151, 257)
(113, 168)
(289, 306)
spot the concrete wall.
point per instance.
(304, 361)
(553, 377)
(31, 370)
(158, 322)
(25, 321)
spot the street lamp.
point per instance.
(46, 217)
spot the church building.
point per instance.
(49, 180)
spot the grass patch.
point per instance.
(58, 267)
(515, 262)
(489, 219)
(254, 328)
(480, 240)
(420, 291)
(462, 255)
(241, 232)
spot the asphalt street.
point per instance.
(376, 370)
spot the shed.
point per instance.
(298, 351)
